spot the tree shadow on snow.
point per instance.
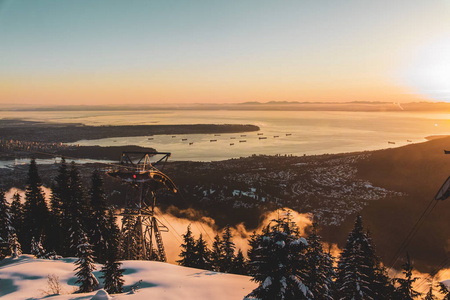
(138, 285)
(129, 271)
(208, 273)
(7, 286)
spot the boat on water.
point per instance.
(217, 135)
(231, 144)
(260, 133)
(232, 138)
(213, 140)
(150, 139)
(184, 139)
(191, 143)
(446, 151)
(409, 141)
(173, 136)
(275, 136)
(393, 143)
(288, 134)
(242, 141)
(243, 135)
(262, 138)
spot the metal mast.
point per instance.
(137, 170)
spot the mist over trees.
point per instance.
(78, 222)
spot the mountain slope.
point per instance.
(26, 277)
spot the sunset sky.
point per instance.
(172, 51)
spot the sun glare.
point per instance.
(429, 71)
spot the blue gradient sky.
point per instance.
(117, 52)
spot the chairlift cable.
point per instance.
(178, 236)
(441, 265)
(195, 222)
(411, 233)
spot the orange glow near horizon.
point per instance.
(108, 90)
(223, 52)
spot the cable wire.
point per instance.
(411, 233)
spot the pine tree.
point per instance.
(85, 266)
(405, 290)
(60, 211)
(188, 249)
(5, 220)
(16, 249)
(139, 245)
(16, 215)
(253, 244)
(5, 226)
(128, 243)
(228, 248)
(217, 254)
(78, 212)
(357, 266)
(278, 263)
(112, 273)
(201, 257)
(445, 291)
(239, 264)
(319, 268)
(380, 283)
(36, 247)
(97, 225)
(35, 208)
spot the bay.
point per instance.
(282, 132)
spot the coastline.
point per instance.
(390, 193)
(434, 137)
(69, 133)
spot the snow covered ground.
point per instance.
(26, 278)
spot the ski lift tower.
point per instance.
(137, 170)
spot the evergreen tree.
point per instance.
(78, 212)
(188, 249)
(253, 244)
(445, 291)
(405, 290)
(319, 268)
(5, 226)
(85, 266)
(139, 243)
(36, 247)
(239, 264)
(112, 273)
(35, 208)
(228, 248)
(60, 211)
(201, 257)
(16, 215)
(5, 221)
(16, 249)
(380, 283)
(278, 263)
(128, 248)
(97, 224)
(217, 254)
(357, 266)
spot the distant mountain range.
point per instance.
(251, 105)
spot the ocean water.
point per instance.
(282, 132)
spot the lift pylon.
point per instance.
(136, 169)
